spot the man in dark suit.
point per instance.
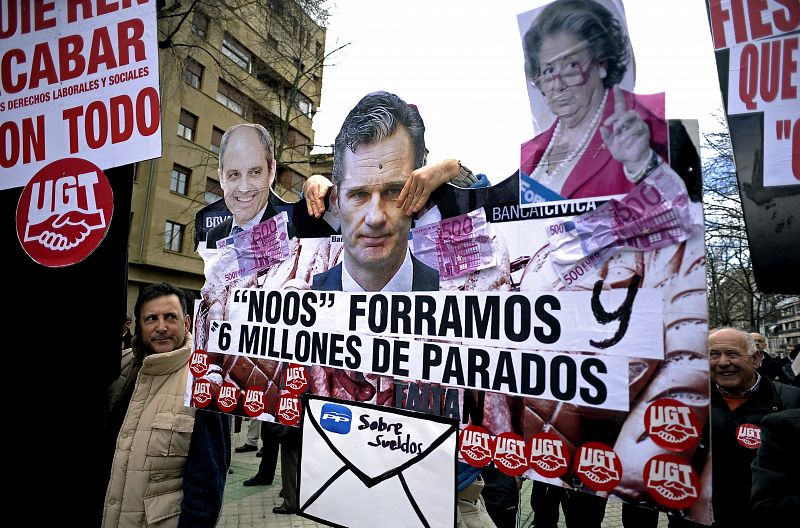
(381, 142)
(246, 173)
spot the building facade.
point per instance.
(784, 332)
(220, 64)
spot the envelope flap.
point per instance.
(357, 433)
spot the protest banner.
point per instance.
(80, 80)
(567, 338)
(757, 50)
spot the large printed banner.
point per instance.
(566, 335)
(757, 49)
(79, 80)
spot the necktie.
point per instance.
(236, 229)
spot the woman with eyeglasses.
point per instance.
(604, 139)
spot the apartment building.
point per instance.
(255, 62)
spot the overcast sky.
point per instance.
(460, 62)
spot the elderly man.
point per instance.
(740, 399)
(770, 367)
(170, 461)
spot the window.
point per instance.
(179, 182)
(193, 74)
(319, 49)
(230, 97)
(272, 42)
(304, 105)
(173, 237)
(213, 191)
(200, 23)
(236, 52)
(187, 124)
(298, 141)
(216, 139)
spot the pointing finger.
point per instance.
(619, 100)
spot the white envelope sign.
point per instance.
(364, 466)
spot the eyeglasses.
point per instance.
(571, 74)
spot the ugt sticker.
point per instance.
(198, 364)
(547, 455)
(509, 454)
(671, 481)
(295, 379)
(672, 424)
(64, 212)
(476, 446)
(253, 402)
(228, 397)
(748, 435)
(598, 466)
(201, 393)
(289, 409)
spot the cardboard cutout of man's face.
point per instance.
(246, 175)
(374, 230)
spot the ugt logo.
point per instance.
(64, 211)
(336, 418)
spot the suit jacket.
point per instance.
(424, 278)
(597, 173)
(776, 469)
(222, 230)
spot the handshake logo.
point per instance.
(336, 418)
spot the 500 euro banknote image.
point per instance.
(655, 214)
(254, 250)
(455, 246)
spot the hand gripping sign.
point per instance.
(362, 465)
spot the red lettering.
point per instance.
(770, 70)
(130, 40)
(71, 115)
(758, 29)
(789, 90)
(101, 52)
(70, 60)
(40, 8)
(5, 71)
(739, 22)
(787, 20)
(30, 143)
(121, 129)
(72, 10)
(42, 67)
(748, 77)
(12, 19)
(718, 18)
(148, 95)
(96, 138)
(103, 7)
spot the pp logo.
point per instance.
(749, 436)
(547, 455)
(672, 424)
(476, 446)
(64, 212)
(336, 418)
(671, 481)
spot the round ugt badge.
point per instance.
(253, 402)
(598, 466)
(548, 455)
(228, 397)
(295, 379)
(289, 409)
(476, 446)
(509, 454)
(749, 435)
(201, 393)
(672, 424)
(64, 212)
(671, 481)
(198, 363)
